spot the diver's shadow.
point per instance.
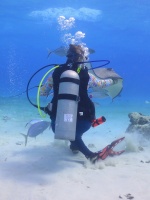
(38, 164)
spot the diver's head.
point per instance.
(76, 53)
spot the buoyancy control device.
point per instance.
(67, 106)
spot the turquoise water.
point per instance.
(117, 30)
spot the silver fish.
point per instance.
(62, 51)
(35, 129)
(33, 121)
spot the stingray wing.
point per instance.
(111, 91)
(114, 90)
(104, 74)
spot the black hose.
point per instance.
(27, 88)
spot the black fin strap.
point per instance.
(68, 96)
(72, 80)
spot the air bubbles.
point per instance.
(66, 24)
(68, 38)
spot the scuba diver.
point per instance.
(84, 112)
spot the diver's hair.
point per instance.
(76, 49)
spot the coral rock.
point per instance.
(139, 123)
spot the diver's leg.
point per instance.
(53, 125)
(78, 144)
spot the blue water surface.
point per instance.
(117, 30)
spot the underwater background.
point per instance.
(44, 169)
(118, 31)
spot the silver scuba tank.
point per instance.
(68, 97)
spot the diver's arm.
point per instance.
(101, 83)
(47, 87)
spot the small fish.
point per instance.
(6, 118)
(62, 51)
(33, 121)
(36, 128)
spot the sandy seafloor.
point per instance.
(46, 169)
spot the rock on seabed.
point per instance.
(139, 123)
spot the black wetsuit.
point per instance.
(85, 106)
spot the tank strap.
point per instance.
(72, 80)
(69, 97)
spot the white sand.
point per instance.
(46, 169)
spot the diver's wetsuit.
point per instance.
(85, 105)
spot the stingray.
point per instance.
(36, 127)
(112, 90)
(105, 73)
(62, 51)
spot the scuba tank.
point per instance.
(67, 106)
